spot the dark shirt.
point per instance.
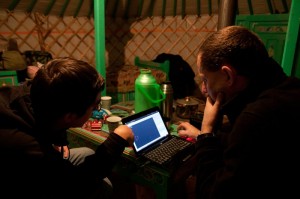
(259, 156)
(31, 168)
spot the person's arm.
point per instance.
(109, 152)
(209, 122)
(185, 129)
(211, 114)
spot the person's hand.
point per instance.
(185, 129)
(66, 150)
(126, 133)
(210, 115)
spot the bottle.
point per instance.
(167, 104)
(147, 92)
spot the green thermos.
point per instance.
(147, 91)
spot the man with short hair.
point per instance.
(34, 117)
(256, 156)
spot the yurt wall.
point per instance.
(132, 28)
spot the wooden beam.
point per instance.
(140, 8)
(199, 8)
(250, 7)
(49, 7)
(64, 7)
(183, 4)
(78, 8)
(163, 11)
(31, 6)
(175, 8)
(13, 5)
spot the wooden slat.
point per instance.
(199, 8)
(151, 8)
(127, 6)
(13, 4)
(285, 6)
(140, 8)
(163, 11)
(270, 6)
(209, 7)
(64, 7)
(49, 7)
(78, 8)
(115, 9)
(183, 4)
(31, 6)
(91, 9)
(250, 7)
(175, 8)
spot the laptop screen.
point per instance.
(148, 127)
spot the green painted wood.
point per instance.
(140, 8)
(31, 6)
(13, 5)
(272, 29)
(163, 11)
(270, 6)
(127, 6)
(199, 8)
(99, 23)
(250, 7)
(285, 6)
(91, 9)
(175, 8)
(49, 7)
(78, 8)
(114, 13)
(8, 77)
(151, 8)
(292, 41)
(183, 4)
(209, 7)
(64, 7)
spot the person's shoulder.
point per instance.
(282, 97)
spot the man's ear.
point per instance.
(230, 74)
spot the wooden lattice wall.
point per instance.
(61, 36)
(125, 39)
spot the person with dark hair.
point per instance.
(254, 153)
(35, 159)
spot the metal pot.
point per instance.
(186, 107)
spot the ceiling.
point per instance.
(141, 8)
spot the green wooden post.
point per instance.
(99, 23)
(291, 38)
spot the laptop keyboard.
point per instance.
(165, 152)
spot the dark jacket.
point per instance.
(259, 156)
(31, 168)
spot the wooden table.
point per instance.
(160, 180)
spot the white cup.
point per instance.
(106, 102)
(113, 122)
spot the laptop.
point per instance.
(154, 143)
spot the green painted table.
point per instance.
(162, 181)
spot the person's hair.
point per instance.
(236, 46)
(64, 85)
